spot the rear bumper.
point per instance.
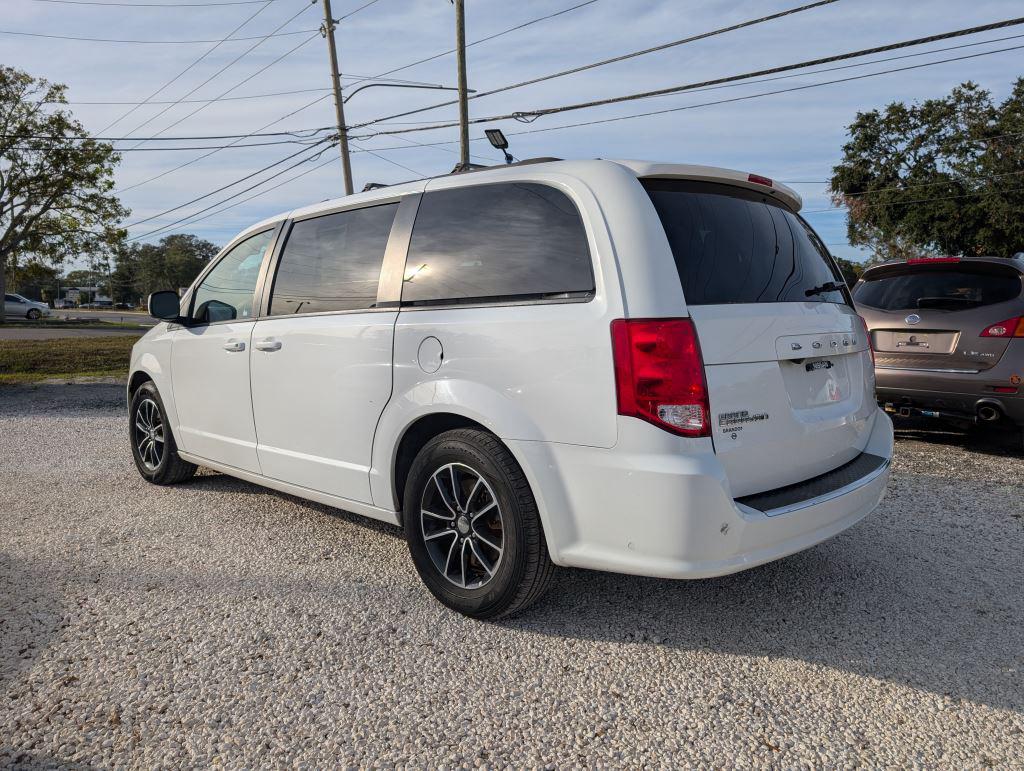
(953, 394)
(659, 505)
(949, 404)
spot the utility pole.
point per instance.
(460, 48)
(327, 30)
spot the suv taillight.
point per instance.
(659, 374)
(1008, 328)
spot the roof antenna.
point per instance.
(499, 142)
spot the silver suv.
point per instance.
(948, 336)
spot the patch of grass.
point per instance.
(75, 324)
(24, 361)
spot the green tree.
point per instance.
(33, 280)
(940, 177)
(170, 264)
(56, 182)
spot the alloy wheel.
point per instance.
(462, 527)
(149, 434)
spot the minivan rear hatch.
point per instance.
(789, 372)
(940, 315)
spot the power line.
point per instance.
(485, 39)
(214, 152)
(262, 192)
(227, 66)
(154, 5)
(295, 134)
(189, 67)
(531, 115)
(359, 78)
(202, 147)
(393, 163)
(623, 57)
(376, 77)
(225, 187)
(872, 204)
(230, 197)
(147, 42)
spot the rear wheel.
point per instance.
(153, 447)
(472, 526)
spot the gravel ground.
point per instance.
(215, 623)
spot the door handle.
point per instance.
(268, 345)
(234, 346)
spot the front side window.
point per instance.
(488, 242)
(732, 245)
(227, 293)
(332, 263)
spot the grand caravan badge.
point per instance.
(730, 421)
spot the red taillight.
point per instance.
(925, 260)
(1009, 328)
(757, 179)
(1004, 389)
(659, 374)
(867, 336)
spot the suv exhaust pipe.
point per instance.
(987, 413)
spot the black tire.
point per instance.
(522, 571)
(157, 461)
(34, 314)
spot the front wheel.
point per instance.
(153, 447)
(34, 314)
(472, 526)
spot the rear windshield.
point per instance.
(949, 287)
(733, 245)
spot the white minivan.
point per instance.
(638, 367)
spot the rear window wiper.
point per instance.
(829, 286)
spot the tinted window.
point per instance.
(737, 246)
(332, 263)
(943, 287)
(227, 291)
(496, 241)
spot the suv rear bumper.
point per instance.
(954, 394)
(659, 505)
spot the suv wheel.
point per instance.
(153, 447)
(34, 314)
(472, 526)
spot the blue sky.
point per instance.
(795, 137)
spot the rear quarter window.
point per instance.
(733, 245)
(957, 286)
(488, 243)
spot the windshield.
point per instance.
(733, 245)
(949, 287)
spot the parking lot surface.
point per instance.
(215, 623)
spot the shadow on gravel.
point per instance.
(892, 609)
(21, 400)
(214, 481)
(998, 440)
(30, 615)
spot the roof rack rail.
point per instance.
(459, 169)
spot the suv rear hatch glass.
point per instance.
(787, 362)
(930, 315)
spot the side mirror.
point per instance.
(165, 305)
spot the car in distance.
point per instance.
(628, 366)
(16, 305)
(948, 335)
